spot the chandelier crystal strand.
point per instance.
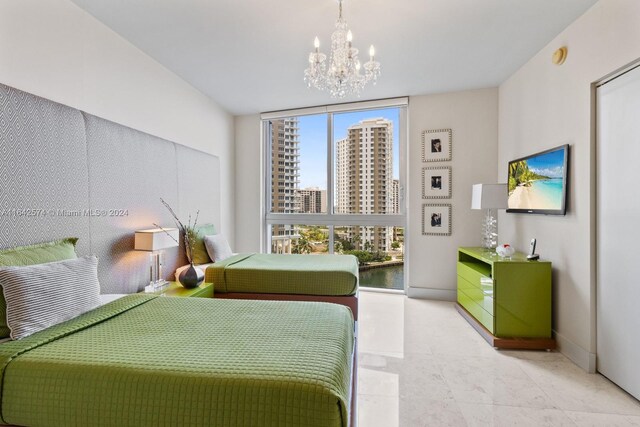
(342, 75)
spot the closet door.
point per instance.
(618, 231)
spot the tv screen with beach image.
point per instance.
(537, 182)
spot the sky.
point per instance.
(548, 164)
(313, 142)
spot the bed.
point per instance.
(144, 360)
(327, 278)
(149, 361)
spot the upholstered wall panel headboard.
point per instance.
(61, 158)
(128, 173)
(194, 173)
(43, 171)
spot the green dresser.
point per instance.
(508, 301)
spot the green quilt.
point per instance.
(330, 275)
(163, 361)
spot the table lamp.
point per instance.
(489, 197)
(154, 241)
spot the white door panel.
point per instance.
(618, 231)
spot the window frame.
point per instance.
(331, 219)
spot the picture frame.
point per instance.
(436, 182)
(436, 219)
(436, 145)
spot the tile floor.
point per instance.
(421, 364)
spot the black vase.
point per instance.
(191, 277)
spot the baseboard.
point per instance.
(430, 293)
(578, 355)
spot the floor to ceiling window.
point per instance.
(335, 184)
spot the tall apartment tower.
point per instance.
(364, 179)
(395, 196)
(285, 179)
(311, 200)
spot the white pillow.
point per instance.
(43, 295)
(217, 247)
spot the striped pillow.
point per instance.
(43, 295)
(40, 253)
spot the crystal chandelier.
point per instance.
(342, 76)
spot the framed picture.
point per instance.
(436, 182)
(436, 220)
(436, 145)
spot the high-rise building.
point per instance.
(285, 179)
(364, 179)
(345, 162)
(395, 196)
(395, 208)
(311, 200)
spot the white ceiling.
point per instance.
(249, 55)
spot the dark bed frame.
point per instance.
(350, 301)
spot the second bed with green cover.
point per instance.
(329, 275)
(162, 361)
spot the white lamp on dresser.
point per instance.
(489, 197)
(155, 241)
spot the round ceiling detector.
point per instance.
(559, 56)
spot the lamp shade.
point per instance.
(489, 196)
(156, 239)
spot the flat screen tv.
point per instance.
(538, 183)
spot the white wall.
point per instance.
(249, 182)
(473, 118)
(56, 50)
(542, 106)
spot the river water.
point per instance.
(391, 277)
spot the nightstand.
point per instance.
(175, 289)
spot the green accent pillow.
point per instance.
(40, 253)
(199, 253)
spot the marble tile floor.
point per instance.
(422, 364)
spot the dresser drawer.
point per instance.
(482, 297)
(476, 310)
(466, 285)
(480, 277)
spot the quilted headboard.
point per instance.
(67, 173)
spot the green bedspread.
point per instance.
(332, 275)
(162, 361)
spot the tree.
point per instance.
(315, 234)
(301, 246)
(364, 257)
(395, 245)
(378, 256)
(356, 241)
(346, 244)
